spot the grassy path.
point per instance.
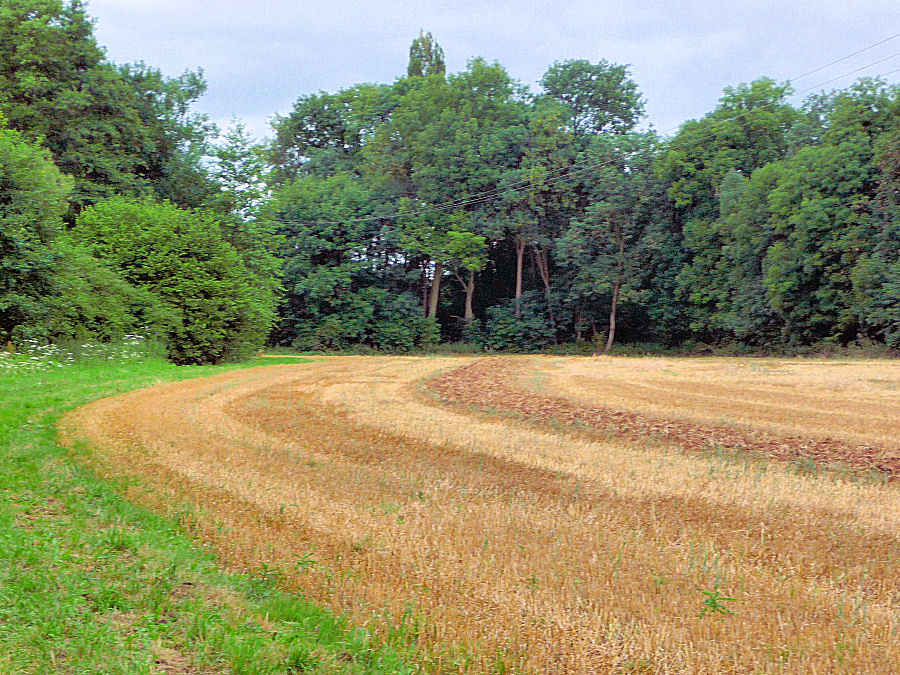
(90, 583)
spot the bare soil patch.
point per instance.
(491, 384)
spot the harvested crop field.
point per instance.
(828, 413)
(547, 514)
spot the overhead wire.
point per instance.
(578, 168)
(844, 58)
(581, 167)
(489, 195)
(575, 169)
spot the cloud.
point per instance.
(260, 57)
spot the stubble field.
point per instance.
(547, 514)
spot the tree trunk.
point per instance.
(520, 253)
(620, 272)
(470, 291)
(435, 290)
(542, 262)
(425, 286)
(612, 318)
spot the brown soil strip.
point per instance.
(290, 415)
(490, 384)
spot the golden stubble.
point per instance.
(853, 400)
(559, 552)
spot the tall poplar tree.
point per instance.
(425, 57)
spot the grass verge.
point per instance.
(90, 583)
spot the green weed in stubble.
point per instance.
(304, 561)
(714, 603)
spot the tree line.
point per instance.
(456, 207)
(114, 220)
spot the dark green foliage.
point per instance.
(170, 141)
(335, 272)
(325, 133)
(212, 309)
(324, 256)
(876, 277)
(114, 130)
(117, 130)
(759, 224)
(529, 330)
(599, 97)
(800, 244)
(607, 247)
(747, 129)
(425, 57)
(452, 138)
(51, 289)
(455, 204)
(88, 301)
(373, 318)
(32, 201)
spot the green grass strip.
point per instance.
(90, 583)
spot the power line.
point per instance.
(584, 167)
(496, 192)
(844, 58)
(576, 168)
(566, 173)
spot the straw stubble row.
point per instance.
(548, 550)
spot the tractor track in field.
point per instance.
(489, 384)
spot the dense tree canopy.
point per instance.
(76, 133)
(600, 97)
(761, 223)
(112, 129)
(456, 206)
(33, 196)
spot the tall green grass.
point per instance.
(90, 583)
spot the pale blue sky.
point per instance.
(260, 56)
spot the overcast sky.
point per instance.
(259, 56)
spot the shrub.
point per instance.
(210, 310)
(473, 333)
(33, 195)
(530, 331)
(372, 318)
